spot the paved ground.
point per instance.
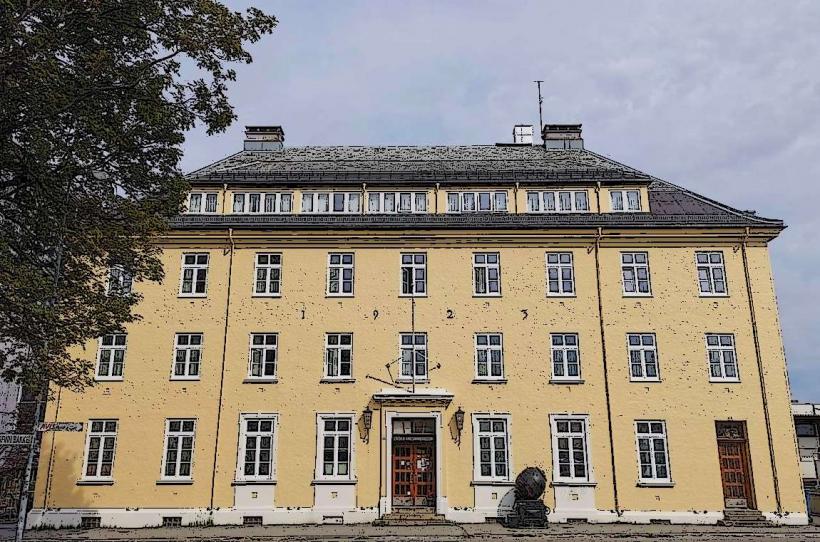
(454, 533)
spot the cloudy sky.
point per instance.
(720, 97)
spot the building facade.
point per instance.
(344, 332)
(807, 425)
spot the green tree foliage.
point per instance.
(95, 98)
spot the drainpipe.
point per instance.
(435, 197)
(759, 359)
(222, 371)
(515, 197)
(606, 370)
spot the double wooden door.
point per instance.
(735, 469)
(414, 474)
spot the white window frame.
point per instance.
(709, 268)
(397, 197)
(264, 348)
(488, 350)
(477, 418)
(112, 349)
(589, 477)
(564, 349)
(196, 268)
(651, 437)
(321, 433)
(188, 348)
(555, 195)
(625, 204)
(474, 196)
(203, 203)
(120, 281)
(414, 349)
(278, 199)
(242, 446)
(341, 267)
(347, 201)
(178, 461)
(560, 267)
(102, 435)
(487, 266)
(268, 271)
(339, 348)
(642, 349)
(721, 350)
(635, 268)
(415, 269)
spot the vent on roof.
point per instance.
(264, 138)
(562, 136)
(522, 134)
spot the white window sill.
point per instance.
(108, 379)
(253, 483)
(573, 483)
(333, 296)
(330, 380)
(331, 482)
(560, 296)
(655, 483)
(703, 294)
(481, 296)
(637, 295)
(263, 296)
(258, 380)
(570, 381)
(95, 482)
(644, 380)
(413, 295)
(192, 296)
(505, 483)
(171, 482)
(724, 380)
(489, 380)
(185, 378)
(405, 380)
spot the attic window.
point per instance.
(472, 202)
(625, 200)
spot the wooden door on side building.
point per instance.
(735, 467)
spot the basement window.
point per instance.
(251, 520)
(89, 522)
(171, 521)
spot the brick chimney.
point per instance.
(562, 136)
(264, 138)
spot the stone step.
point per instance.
(412, 518)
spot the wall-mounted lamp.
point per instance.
(367, 419)
(459, 422)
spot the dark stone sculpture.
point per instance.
(529, 510)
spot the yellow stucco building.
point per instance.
(346, 332)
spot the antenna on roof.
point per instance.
(540, 101)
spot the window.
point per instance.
(263, 355)
(625, 200)
(489, 356)
(179, 449)
(194, 275)
(560, 274)
(335, 443)
(257, 447)
(643, 356)
(471, 202)
(722, 357)
(561, 201)
(111, 357)
(570, 453)
(268, 275)
(119, 281)
(340, 274)
(711, 273)
(331, 202)
(653, 454)
(262, 202)
(397, 202)
(492, 448)
(566, 356)
(413, 353)
(338, 356)
(202, 202)
(187, 356)
(414, 274)
(101, 441)
(806, 430)
(635, 273)
(487, 274)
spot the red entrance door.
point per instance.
(414, 474)
(735, 471)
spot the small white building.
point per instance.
(807, 425)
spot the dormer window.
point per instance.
(202, 203)
(397, 202)
(557, 201)
(625, 200)
(331, 202)
(471, 202)
(262, 202)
